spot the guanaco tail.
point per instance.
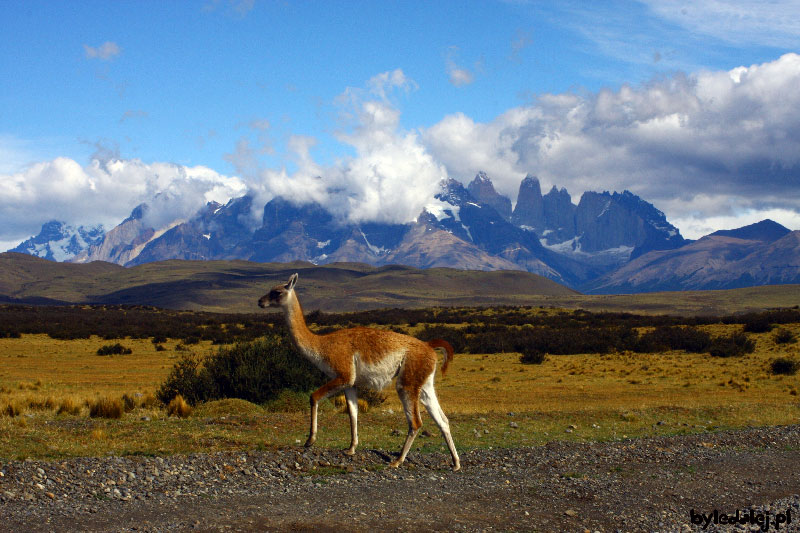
(369, 358)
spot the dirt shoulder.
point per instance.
(635, 485)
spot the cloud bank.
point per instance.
(707, 145)
(713, 149)
(390, 177)
(105, 192)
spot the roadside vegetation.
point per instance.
(185, 382)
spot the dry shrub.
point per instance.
(367, 399)
(106, 408)
(128, 402)
(39, 404)
(179, 407)
(30, 386)
(11, 409)
(98, 434)
(69, 406)
(784, 336)
(149, 401)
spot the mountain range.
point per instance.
(58, 241)
(608, 242)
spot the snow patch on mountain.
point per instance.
(58, 241)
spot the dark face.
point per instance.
(278, 295)
(274, 298)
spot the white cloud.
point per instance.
(711, 149)
(457, 75)
(105, 52)
(104, 191)
(696, 227)
(382, 84)
(729, 134)
(389, 178)
(764, 22)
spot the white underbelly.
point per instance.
(379, 374)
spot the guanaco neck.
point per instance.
(305, 340)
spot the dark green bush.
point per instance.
(758, 324)
(256, 371)
(189, 379)
(532, 358)
(455, 336)
(664, 338)
(114, 349)
(731, 345)
(784, 336)
(785, 366)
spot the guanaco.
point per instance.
(369, 358)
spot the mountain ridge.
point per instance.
(593, 246)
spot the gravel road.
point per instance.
(651, 484)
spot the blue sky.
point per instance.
(374, 96)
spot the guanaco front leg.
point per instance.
(332, 387)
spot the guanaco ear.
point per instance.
(292, 281)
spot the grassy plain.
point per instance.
(491, 399)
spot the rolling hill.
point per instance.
(235, 286)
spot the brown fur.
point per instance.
(441, 343)
(367, 357)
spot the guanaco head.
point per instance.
(278, 295)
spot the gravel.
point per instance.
(650, 484)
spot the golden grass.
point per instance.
(566, 383)
(178, 407)
(106, 408)
(69, 406)
(60, 368)
(574, 397)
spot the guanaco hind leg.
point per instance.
(431, 403)
(351, 396)
(410, 400)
